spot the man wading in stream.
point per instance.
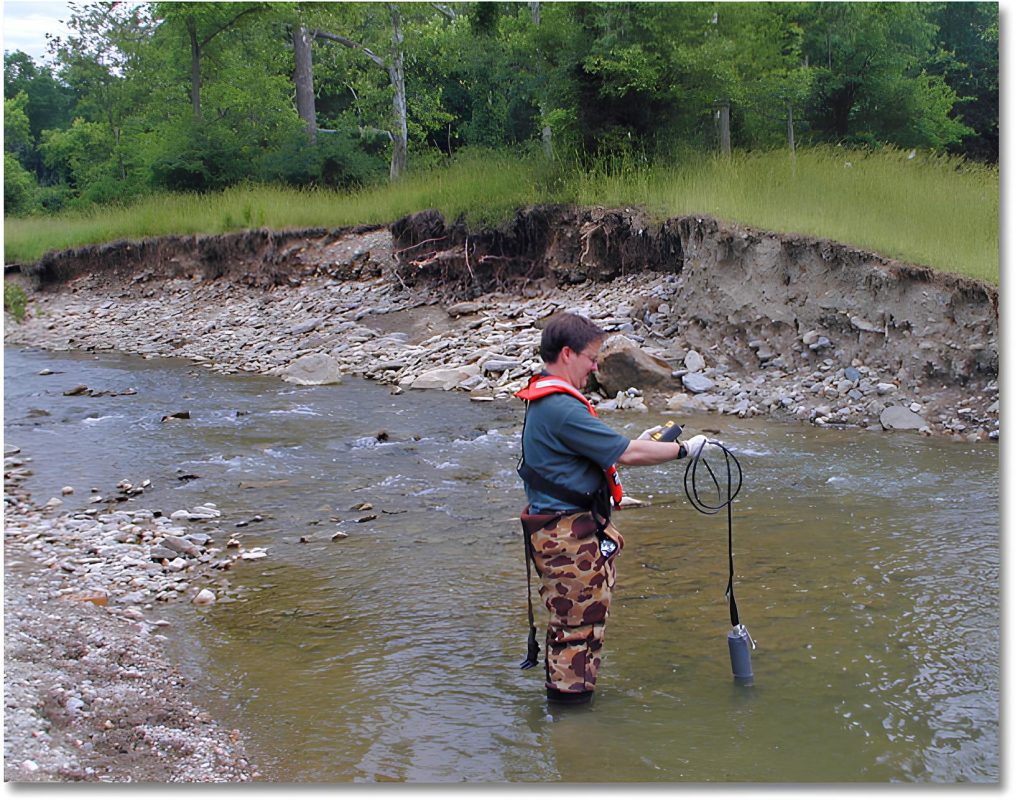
(568, 466)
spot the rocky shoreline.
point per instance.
(344, 306)
(89, 692)
(718, 329)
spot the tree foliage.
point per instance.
(870, 74)
(969, 39)
(198, 96)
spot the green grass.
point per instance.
(930, 210)
(15, 300)
(936, 211)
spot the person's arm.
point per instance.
(647, 452)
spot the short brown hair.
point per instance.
(567, 330)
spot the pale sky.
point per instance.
(26, 23)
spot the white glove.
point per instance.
(701, 447)
(648, 434)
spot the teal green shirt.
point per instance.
(565, 444)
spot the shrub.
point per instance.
(14, 300)
(54, 198)
(19, 187)
(338, 161)
(199, 157)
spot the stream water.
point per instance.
(868, 572)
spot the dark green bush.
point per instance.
(19, 187)
(200, 157)
(55, 198)
(337, 161)
(14, 300)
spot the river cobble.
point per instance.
(409, 339)
(89, 691)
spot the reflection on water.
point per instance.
(867, 572)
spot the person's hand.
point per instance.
(700, 446)
(648, 434)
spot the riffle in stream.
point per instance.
(867, 572)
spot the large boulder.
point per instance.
(445, 378)
(313, 369)
(623, 364)
(697, 383)
(900, 418)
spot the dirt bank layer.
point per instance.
(746, 284)
(764, 304)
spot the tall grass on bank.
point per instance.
(486, 187)
(921, 208)
(925, 209)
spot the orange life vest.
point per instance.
(543, 385)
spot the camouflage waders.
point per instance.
(577, 582)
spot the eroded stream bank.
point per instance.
(714, 317)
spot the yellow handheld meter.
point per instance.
(668, 433)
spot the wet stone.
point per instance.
(901, 418)
(697, 383)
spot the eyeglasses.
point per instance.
(594, 359)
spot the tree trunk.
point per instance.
(303, 76)
(548, 141)
(547, 132)
(841, 108)
(789, 129)
(195, 68)
(396, 73)
(117, 130)
(724, 128)
(395, 67)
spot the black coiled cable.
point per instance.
(722, 501)
(691, 479)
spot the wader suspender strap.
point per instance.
(578, 499)
(532, 655)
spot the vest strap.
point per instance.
(580, 500)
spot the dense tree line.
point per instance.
(200, 96)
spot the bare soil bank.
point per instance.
(738, 282)
(752, 292)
